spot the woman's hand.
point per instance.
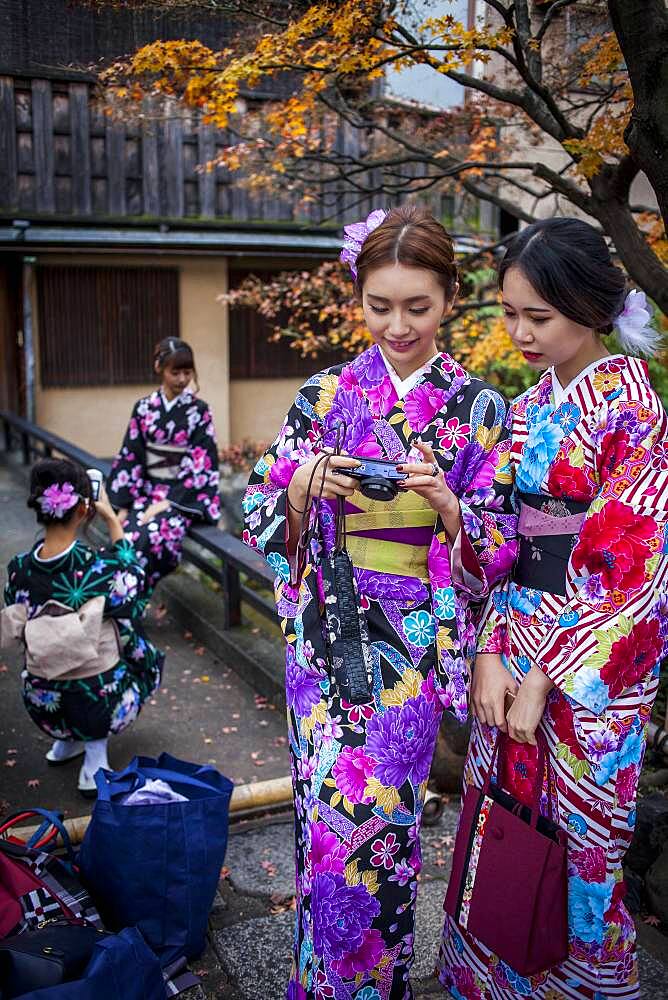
(329, 475)
(109, 516)
(152, 511)
(491, 683)
(433, 488)
(527, 710)
(122, 514)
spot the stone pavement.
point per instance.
(206, 712)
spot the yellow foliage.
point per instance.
(605, 138)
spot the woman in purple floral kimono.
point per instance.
(421, 563)
(166, 473)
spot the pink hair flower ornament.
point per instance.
(57, 499)
(355, 235)
(633, 326)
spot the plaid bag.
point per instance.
(36, 887)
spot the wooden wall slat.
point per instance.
(9, 192)
(150, 168)
(42, 122)
(80, 149)
(116, 168)
(206, 149)
(172, 141)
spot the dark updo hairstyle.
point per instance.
(409, 235)
(57, 471)
(569, 265)
(175, 353)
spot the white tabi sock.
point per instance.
(96, 756)
(62, 749)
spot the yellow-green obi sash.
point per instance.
(390, 537)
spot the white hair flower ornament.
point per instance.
(633, 326)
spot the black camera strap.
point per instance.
(346, 627)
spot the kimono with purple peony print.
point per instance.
(360, 771)
(168, 453)
(93, 707)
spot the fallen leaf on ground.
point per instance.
(187, 636)
(10, 763)
(205, 678)
(33, 782)
(200, 651)
(651, 920)
(224, 872)
(282, 904)
(269, 867)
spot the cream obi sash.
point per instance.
(390, 537)
(60, 643)
(163, 461)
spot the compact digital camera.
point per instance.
(378, 479)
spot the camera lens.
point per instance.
(378, 488)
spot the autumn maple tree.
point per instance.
(335, 131)
(552, 98)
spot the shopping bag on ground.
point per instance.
(156, 865)
(122, 967)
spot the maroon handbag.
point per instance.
(509, 881)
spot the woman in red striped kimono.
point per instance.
(577, 634)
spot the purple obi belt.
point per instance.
(548, 529)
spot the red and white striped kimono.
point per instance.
(594, 618)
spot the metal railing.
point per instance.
(218, 554)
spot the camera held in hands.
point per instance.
(379, 480)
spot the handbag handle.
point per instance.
(543, 761)
(40, 838)
(125, 781)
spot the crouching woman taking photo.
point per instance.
(75, 611)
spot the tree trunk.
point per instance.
(641, 27)
(640, 261)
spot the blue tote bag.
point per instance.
(156, 867)
(121, 967)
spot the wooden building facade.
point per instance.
(111, 237)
